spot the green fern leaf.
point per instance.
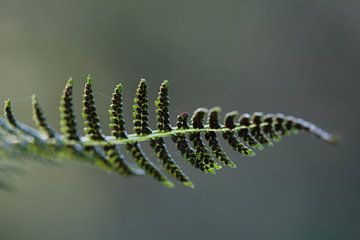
(244, 134)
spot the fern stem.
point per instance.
(158, 134)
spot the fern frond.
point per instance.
(158, 144)
(256, 130)
(51, 135)
(203, 153)
(92, 127)
(243, 134)
(117, 126)
(229, 122)
(213, 120)
(67, 116)
(184, 147)
(22, 128)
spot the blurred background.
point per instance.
(295, 57)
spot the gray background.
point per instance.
(295, 57)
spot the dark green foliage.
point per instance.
(279, 125)
(67, 117)
(168, 162)
(92, 129)
(9, 114)
(91, 119)
(117, 126)
(245, 134)
(117, 160)
(117, 122)
(162, 108)
(149, 167)
(268, 128)
(183, 146)
(256, 130)
(140, 110)
(23, 130)
(202, 151)
(229, 123)
(158, 144)
(113, 158)
(210, 136)
(40, 119)
(162, 115)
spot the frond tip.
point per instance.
(196, 140)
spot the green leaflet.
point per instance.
(229, 135)
(113, 159)
(162, 115)
(117, 126)
(40, 119)
(217, 150)
(67, 116)
(202, 151)
(184, 147)
(243, 134)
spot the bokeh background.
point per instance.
(295, 57)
